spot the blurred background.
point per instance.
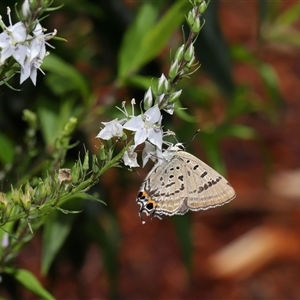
(244, 98)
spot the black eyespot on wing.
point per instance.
(149, 206)
(141, 195)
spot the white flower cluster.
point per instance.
(146, 127)
(28, 49)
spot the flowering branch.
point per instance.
(23, 45)
(162, 95)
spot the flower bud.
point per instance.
(163, 85)
(174, 96)
(154, 88)
(3, 202)
(179, 53)
(95, 165)
(75, 173)
(173, 72)
(70, 126)
(148, 99)
(102, 153)
(189, 53)
(16, 196)
(190, 18)
(196, 27)
(26, 12)
(202, 7)
(85, 165)
(30, 118)
(26, 201)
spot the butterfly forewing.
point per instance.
(206, 188)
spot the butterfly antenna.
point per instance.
(195, 134)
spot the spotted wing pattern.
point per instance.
(180, 184)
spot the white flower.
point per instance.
(29, 69)
(111, 129)
(10, 43)
(130, 157)
(36, 52)
(150, 152)
(146, 126)
(29, 51)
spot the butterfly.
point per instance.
(180, 182)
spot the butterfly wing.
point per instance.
(160, 193)
(206, 188)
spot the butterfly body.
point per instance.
(180, 182)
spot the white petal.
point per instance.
(148, 153)
(153, 114)
(155, 137)
(130, 158)
(140, 136)
(104, 134)
(135, 124)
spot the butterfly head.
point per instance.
(176, 147)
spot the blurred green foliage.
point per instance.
(113, 52)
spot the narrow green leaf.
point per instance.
(56, 229)
(236, 130)
(289, 16)
(58, 66)
(48, 121)
(66, 211)
(133, 37)
(182, 226)
(181, 112)
(106, 234)
(7, 149)
(29, 281)
(144, 40)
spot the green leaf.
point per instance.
(181, 112)
(7, 149)
(66, 71)
(87, 196)
(66, 211)
(140, 81)
(289, 16)
(106, 233)
(56, 229)
(146, 37)
(49, 124)
(29, 281)
(182, 226)
(52, 118)
(211, 46)
(236, 130)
